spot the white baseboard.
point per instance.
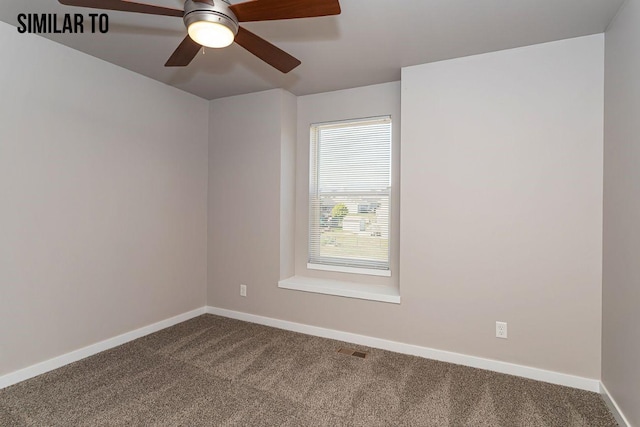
(613, 407)
(74, 356)
(415, 350)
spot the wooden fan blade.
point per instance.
(268, 10)
(264, 50)
(125, 6)
(184, 54)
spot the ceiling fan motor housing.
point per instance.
(217, 11)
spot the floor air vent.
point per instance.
(352, 352)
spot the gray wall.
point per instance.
(501, 216)
(501, 206)
(103, 180)
(245, 158)
(621, 279)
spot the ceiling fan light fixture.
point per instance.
(210, 24)
(211, 34)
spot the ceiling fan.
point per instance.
(214, 23)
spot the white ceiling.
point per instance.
(367, 44)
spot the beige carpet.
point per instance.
(213, 371)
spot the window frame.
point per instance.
(335, 264)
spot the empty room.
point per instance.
(320, 213)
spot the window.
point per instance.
(350, 196)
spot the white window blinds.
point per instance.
(350, 194)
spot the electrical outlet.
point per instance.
(243, 290)
(501, 330)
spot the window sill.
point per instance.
(353, 270)
(344, 289)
